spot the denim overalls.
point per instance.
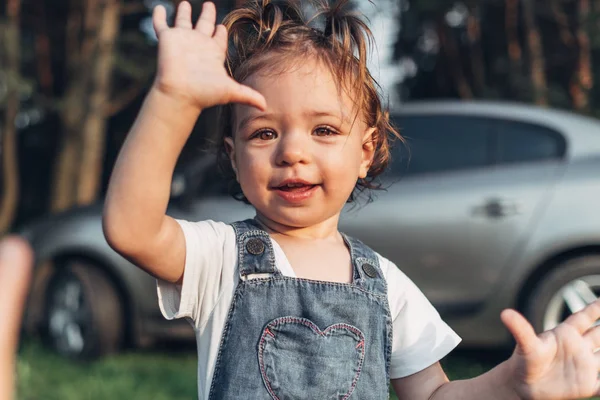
(288, 338)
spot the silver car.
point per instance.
(490, 205)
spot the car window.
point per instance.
(441, 143)
(523, 142)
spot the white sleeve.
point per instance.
(420, 336)
(208, 271)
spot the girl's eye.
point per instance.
(324, 131)
(265, 135)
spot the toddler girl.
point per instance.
(285, 306)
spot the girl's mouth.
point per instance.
(295, 187)
(296, 192)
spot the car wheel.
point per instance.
(83, 317)
(565, 290)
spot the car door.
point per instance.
(453, 215)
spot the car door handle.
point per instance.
(497, 208)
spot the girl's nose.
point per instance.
(292, 149)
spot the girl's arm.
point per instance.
(134, 220)
(190, 76)
(433, 384)
(558, 364)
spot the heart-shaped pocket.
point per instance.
(300, 361)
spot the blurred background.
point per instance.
(73, 74)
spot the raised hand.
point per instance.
(560, 363)
(191, 60)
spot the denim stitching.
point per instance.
(261, 361)
(268, 245)
(245, 230)
(369, 286)
(361, 254)
(239, 228)
(358, 373)
(258, 281)
(308, 323)
(322, 333)
(390, 337)
(224, 336)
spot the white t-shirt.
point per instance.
(420, 336)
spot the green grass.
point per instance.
(132, 376)
(138, 375)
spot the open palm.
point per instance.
(191, 60)
(560, 363)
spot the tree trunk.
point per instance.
(477, 60)
(512, 34)
(583, 80)
(65, 174)
(536, 54)
(43, 52)
(8, 149)
(80, 48)
(92, 30)
(562, 20)
(451, 50)
(94, 125)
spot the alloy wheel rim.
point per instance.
(570, 298)
(67, 316)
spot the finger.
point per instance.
(208, 19)
(584, 319)
(246, 95)
(159, 20)
(184, 15)
(593, 337)
(521, 330)
(220, 37)
(15, 273)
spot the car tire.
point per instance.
(567, 287)
(83, 314)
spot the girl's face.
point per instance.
(298, 161)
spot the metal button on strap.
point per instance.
(255, 246)
(370, 270)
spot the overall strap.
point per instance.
(255, 249)
(367, 271)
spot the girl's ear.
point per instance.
(230, 148)
(368, 152)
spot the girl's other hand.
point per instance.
(191, 60)
(561, 363)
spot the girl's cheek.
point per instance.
(254, 170)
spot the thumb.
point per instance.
(521, 330)
(246, 95)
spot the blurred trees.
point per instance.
(538, 51)
(91, 32)
(72, 75)
(10, 54)
(73, 72)
(83, 63)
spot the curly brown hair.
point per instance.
(263, 30)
